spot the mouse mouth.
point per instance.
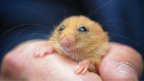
(68, 48)
(67, 44)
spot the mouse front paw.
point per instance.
(82, 67)
(42, 52)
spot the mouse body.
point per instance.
(81, 39)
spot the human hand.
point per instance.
(20, 64)
(122, 63)
(55, 67)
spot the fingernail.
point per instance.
(127, 70)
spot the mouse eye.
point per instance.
(62, 27)
(83, 29)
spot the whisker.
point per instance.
(75, 33)
(102, 6)
(75, 52)
(126, 38)
(112, 21)
(111, 27)
(18, 26)
(77, 38)
(110, 33)
(53, 41)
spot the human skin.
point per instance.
(122, 63)
(19, 64)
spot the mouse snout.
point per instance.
(66, 41)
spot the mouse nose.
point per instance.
(67, 41)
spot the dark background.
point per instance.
(22, 20)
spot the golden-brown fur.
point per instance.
(90, 45)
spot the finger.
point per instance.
(84, 71)
(79, 70)
(20, 64)
(36, 54)
(50, 50)
(41, 54)
(121, 64)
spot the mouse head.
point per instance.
(79, 32)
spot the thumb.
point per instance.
(121, 64)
